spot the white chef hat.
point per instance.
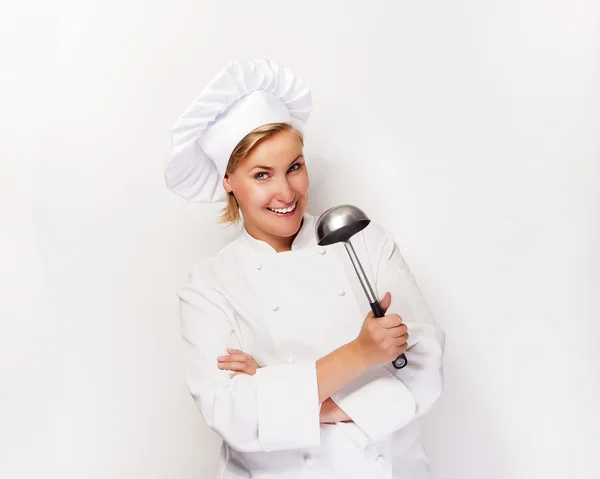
(243, 96)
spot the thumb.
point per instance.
(385, 302)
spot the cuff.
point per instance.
(377, 402)
(288, 406)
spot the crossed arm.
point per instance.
(241, 363)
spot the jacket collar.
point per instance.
(304, 239)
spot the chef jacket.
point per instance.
(287, 310)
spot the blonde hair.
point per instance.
(231, 213)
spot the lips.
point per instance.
(282, 211)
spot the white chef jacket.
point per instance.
(288, 310)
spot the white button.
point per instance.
(321, 251)
(341, 292)
(275, 307)
(307, 459)
(379, 458)
(259, 266)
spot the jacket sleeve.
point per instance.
(386, 399)
(275, 409)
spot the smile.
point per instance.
(284, 211)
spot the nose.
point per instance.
(284, 191)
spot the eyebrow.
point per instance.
(269, 168)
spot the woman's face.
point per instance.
(272, 177)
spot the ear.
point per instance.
(227, 185)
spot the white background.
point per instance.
(468, 128)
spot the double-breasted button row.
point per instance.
(275, 306)
(321, 251)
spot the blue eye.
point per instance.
(259, 177)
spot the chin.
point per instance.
(285, 226)
(287, 231)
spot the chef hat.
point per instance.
(243, 96)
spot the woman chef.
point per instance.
(326, 401)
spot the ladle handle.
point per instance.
(401, 360)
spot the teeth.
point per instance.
(287, 210)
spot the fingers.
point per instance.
(391, 321)
(234, 366)
(398, 332)
(403, 347)
(237, 361)
(236, 355)
(402, 340)
(395, 328)
(240, 358)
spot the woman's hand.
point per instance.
(237, 361)
(381, 340)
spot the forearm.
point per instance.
(331, 412)
(338, 368)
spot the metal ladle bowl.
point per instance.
(338, 225)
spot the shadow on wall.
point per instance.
(469, 437)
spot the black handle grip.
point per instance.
(401, 360)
